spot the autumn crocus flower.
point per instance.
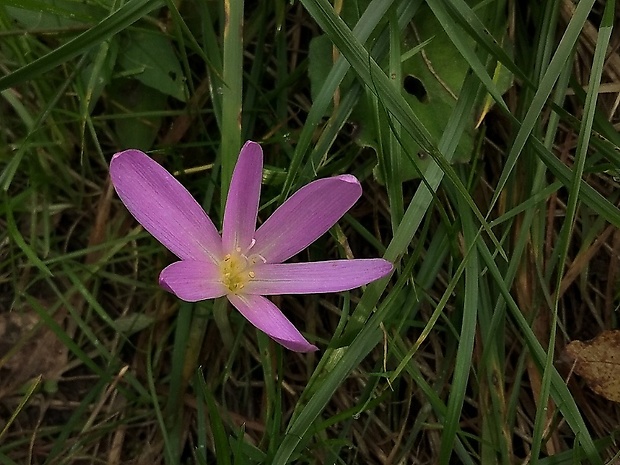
(244, 263)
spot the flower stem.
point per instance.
(220, 314)
(194, 341)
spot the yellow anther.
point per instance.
(236, 271)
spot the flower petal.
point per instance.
(164, 207)
(263, 314)
(192, 280)
(316, 277)
(306, 216)
(243, 197)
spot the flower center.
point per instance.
(236, 270)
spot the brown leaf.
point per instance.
(28, 349)
(598, 363)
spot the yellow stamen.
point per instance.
(236, 271)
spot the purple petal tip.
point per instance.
(164, 285)
(348, 178)
(302, 347)
(387, 266)
(128, 152)
(251, 143)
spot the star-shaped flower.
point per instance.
(244, 263)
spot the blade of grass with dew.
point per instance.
(200, 451)
(245, 453)
(366, 403)
(583, 139)
(232, 89)
(122, 18)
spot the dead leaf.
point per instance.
(28, 349)
(598, 362)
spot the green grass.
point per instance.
(504, 235)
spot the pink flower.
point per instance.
(244, 263)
